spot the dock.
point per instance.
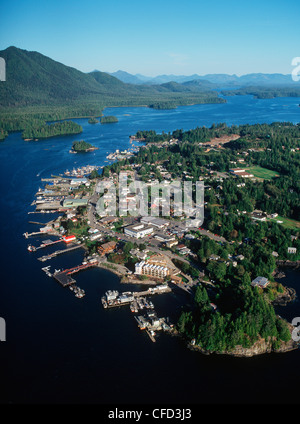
(151, 323)
(59, 252)
(64, 277)
(45, 243)
(114, 299)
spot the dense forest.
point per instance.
(39, 88)
(241, 318)
(51, 130)
(108, 119)
(274, 147)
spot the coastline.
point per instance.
(260, 347)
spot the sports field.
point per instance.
(263, 173)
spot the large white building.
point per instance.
(138, 230)
(155, 222)
(144, 268)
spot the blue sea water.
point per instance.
(61, 349)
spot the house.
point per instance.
(292, 250)
(107, 247)
(109, 220)
(142, 255)
(260, 282)
(214, 257)
(259, 216)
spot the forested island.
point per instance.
(264, 92)
(82, 147)
(93, 120)
(51, 130)
(108, 119)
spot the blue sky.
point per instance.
(157, 37)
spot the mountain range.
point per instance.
(34, 79)
(219, 80)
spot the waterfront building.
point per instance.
(145, 268)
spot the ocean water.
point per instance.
(60, 349)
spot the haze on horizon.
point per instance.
(159, 37)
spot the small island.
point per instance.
(82, 146)
(109, 119)
(93, 120)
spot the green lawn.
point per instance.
(287, 222)
(263, 173)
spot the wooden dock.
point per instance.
(59, 252)
(64, 277)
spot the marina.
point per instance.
(113, 298)
(81, 171)
(139, 302)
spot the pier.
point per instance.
(58, 252)
(45, 243)
(114, 299)
(38, 233)
(64, 277)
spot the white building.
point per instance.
(155, 222)
(138, 230)
(144, 268)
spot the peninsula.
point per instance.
(227, 264)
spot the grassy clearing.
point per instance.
(264, 173)
(287, 222)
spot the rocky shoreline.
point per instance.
(289, 295)
(260, 347)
